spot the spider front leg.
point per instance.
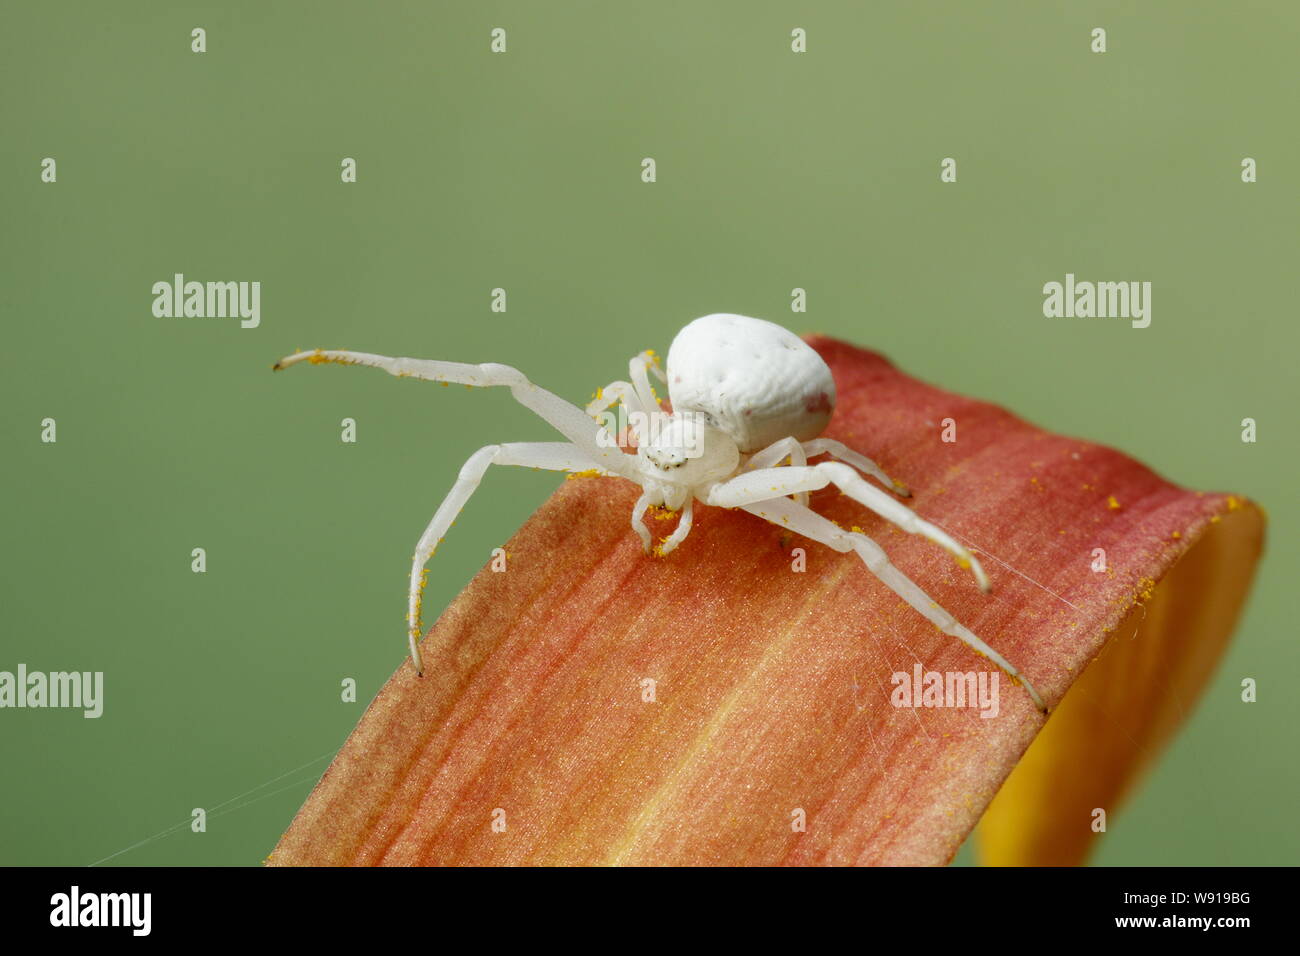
(565, 417)
(638, 370)
(552, 456)
(592, 448)
(611, 395)
(636, 396)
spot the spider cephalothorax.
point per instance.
(684, 453)
(747, 396)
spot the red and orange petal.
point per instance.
(594, 705)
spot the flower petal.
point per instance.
(595, 705)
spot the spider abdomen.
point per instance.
(753, 379)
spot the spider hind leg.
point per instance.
(788, 514)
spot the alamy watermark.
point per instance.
(974, 689)
(208, 300)
(1100, 300)
(78, 690)
(682, 431)
(75, 908)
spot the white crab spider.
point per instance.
(746, 395)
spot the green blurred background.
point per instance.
(522, 171)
